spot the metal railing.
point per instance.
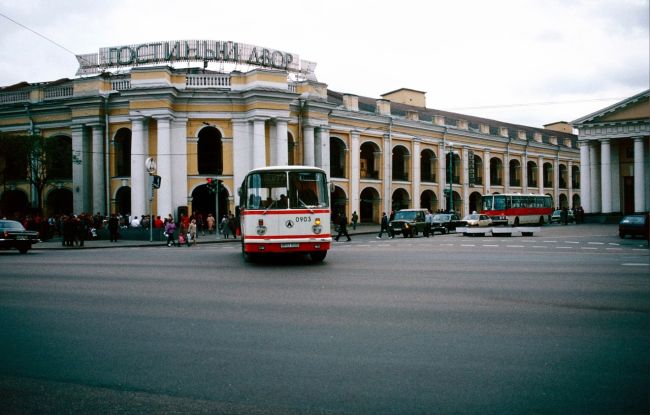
(62, 91)
(207, 81)
(11, 97)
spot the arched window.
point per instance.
(496, 171)
(122, 145)
(548, 175)
(564, 176)
(531, 171)
(515, 173)
(575, 178)
(401, 163)
(454, 167)
(291, 147)
(369, 160)
(210, 151)
(478, 170)
(59, 166)
(338, 152)
(428, 166)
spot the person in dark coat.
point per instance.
(113, 227)
(343, 227)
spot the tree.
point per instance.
(37, 160)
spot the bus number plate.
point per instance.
(289, 245)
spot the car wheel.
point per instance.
(317, 256)
(23, 250)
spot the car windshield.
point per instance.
(632, 219)
(11, 225)
(441, 218)
(405, 215)
(471, 217)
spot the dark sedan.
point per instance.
(633, 225)
(446, 222)
(13, 235)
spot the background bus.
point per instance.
(285, 209)
(518, 208)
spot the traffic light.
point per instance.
(212, 184)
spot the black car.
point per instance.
(14, 235)
(633, 225)
(446, 222)
(408, 222)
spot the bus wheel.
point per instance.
(541, 221)
(317, 256)
(247, 257)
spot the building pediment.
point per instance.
(636, 108)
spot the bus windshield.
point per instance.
(282, 190)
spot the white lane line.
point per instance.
(515, 246)
(492, 246)
(588, 248)
(613, 249)
(596, 243)
(550, 242)
(571, 242)
(634, 264)
(614, 243)
(538, 246)
(467, 245)
(563, 247)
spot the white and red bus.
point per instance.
(285, 209)
(519, 209)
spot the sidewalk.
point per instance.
(143, 241)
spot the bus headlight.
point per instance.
(261, 230)
(316, 228)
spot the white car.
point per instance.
(478, 220)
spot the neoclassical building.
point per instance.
(381, 154)
(614, 143)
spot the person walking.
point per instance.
(210, 220)
(170, 228)
(225, 227)
(384, 226)
(192, 233)
(428, 223)
(343, 227)
(355, 219)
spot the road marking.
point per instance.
(446, 244)
(614, 243)
(634, 264)
(587, 247)
(537, 246)
(549, 242)
(492, 246)
(571, 242)
(364, 245)
(596, 243)
(515, 246)
(614, 249)
(565, 247)
(467, 245)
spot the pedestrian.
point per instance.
(210, 220)
(565, 216)
(343, 227)
(192, 233)
(428, 223)
(113, 227)
(170, 228)
(355, 219)
(232, 225)
(225, 227)
(384, 226)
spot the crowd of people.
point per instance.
(74, 230)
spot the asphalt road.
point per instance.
(553, 324)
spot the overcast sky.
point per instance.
(529, 62)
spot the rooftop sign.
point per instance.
(191, 50)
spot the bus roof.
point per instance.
(287, 168)
(515, 194)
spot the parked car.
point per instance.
(633, 225)
(446, 222)
(499, 220)
(479, 220)
(408, 222)
(13, 235)
(556, 217)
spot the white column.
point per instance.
(506, 172)
(442, 176)
(308, 146)
(138, 172)
(606, 176)
(163, 159)
(387, 155)
(540, 176)
(465, 179)
(323, 148)
(178, 159)
(486, 171)
(639, 175)
(595, 179)
(273, 144)
(241, 149)
(556, 180)
(355, 161)
(585, 177)
(259, 143)
(570, 183)
(99, 185)
(282, 142)
(416, 173)
(79, 177)
(524, 174)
